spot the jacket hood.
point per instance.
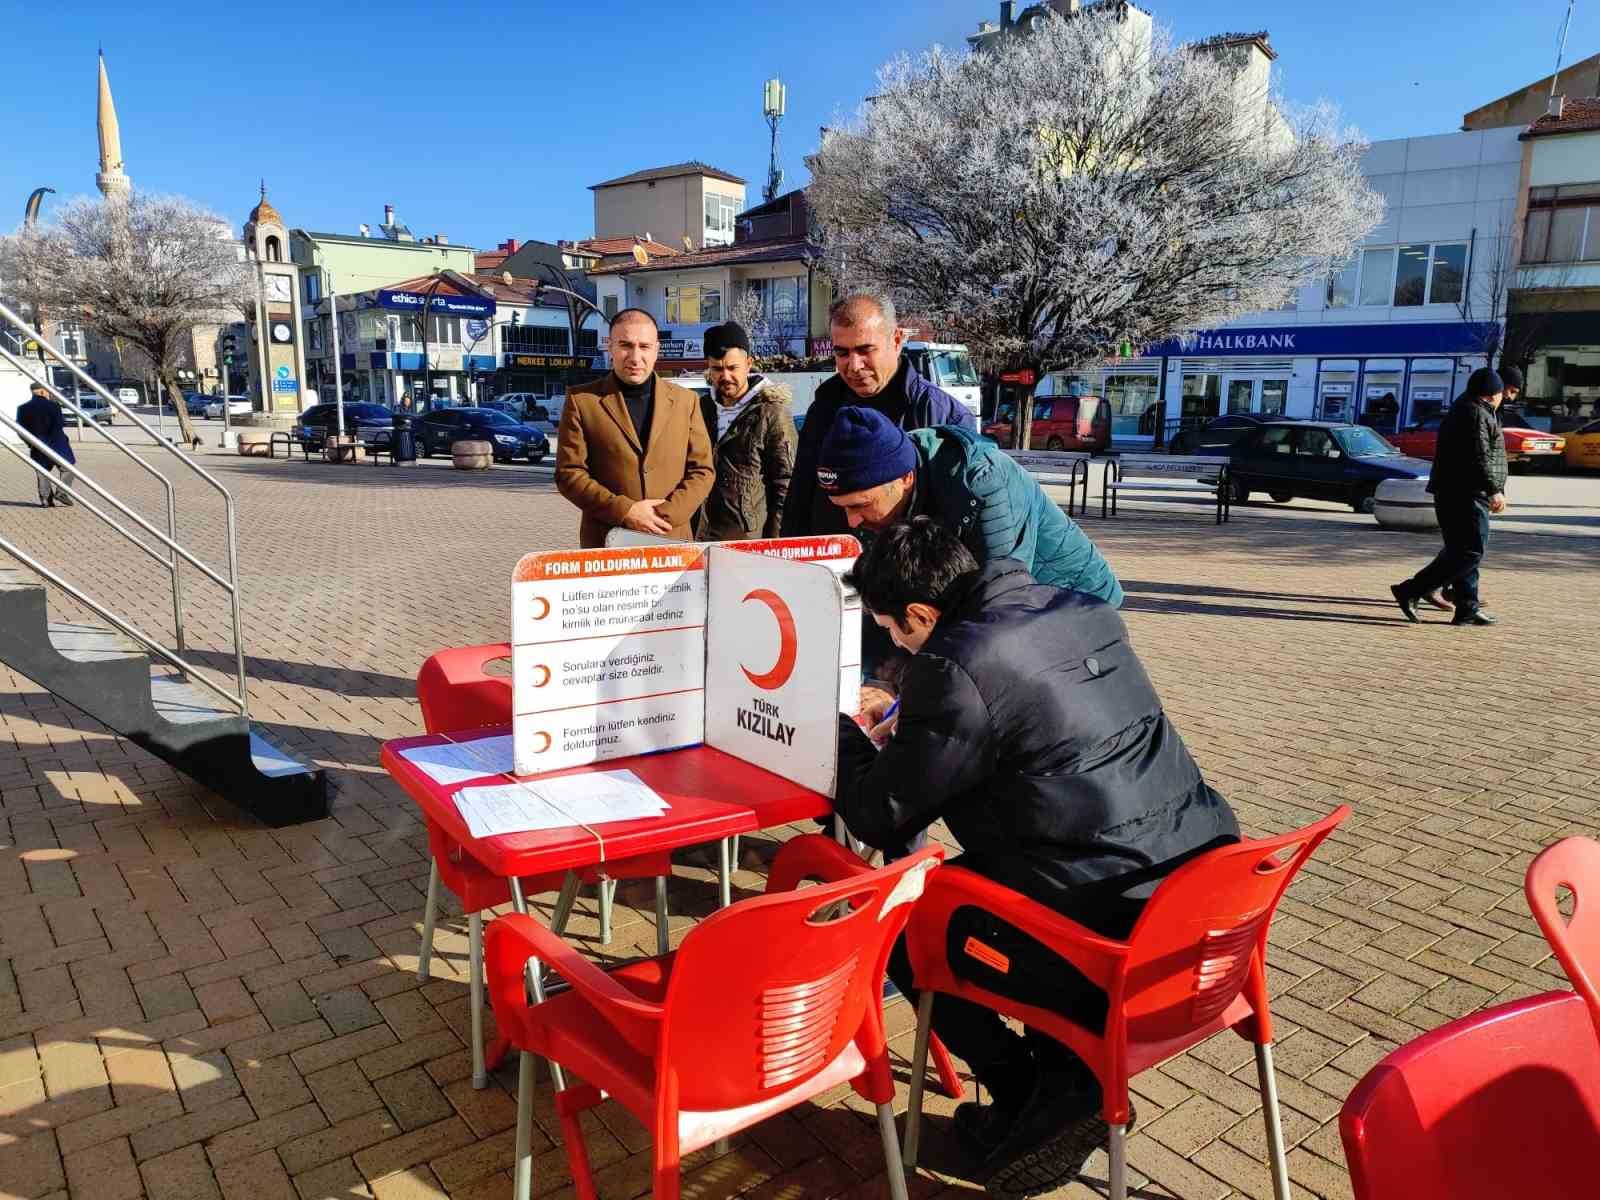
(977, 591)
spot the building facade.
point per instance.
(690, 205)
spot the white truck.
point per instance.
(948, 365)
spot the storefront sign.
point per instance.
(1025, 377)
(286, 385)
(544, 360)
(440, 304)
(1392, 337)
(683, 348)
(819, 347)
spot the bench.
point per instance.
(1167, 473)
(1059, 468)
(280, 436)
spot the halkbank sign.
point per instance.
(1389, 337)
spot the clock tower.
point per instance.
(276, 329)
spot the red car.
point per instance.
(1059, 423)
(1522, 445)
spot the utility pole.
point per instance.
(338, 373)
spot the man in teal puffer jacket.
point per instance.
(881, 476)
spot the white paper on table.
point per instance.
(457, 762)
(595, 797)
(507, 808)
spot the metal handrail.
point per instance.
(242, 699)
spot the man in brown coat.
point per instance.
(754, 438)
(632, 449)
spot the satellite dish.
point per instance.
(505, 278)
(687, 243)
(641, 255)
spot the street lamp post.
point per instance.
(579, 306)
(427, 371)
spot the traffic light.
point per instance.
(230, 347)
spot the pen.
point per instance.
(891, 710)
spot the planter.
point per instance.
(472, 455)
(250, 442)
(1404, 504)
(343, 452)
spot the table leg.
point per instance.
(564, 902)
(431, 908)
(725, 863)
(662, 943)
(480, 1073)
(535, 979)
(608, 897)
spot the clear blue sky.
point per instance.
(487, 121)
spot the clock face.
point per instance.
(278, 288)
(282, 332)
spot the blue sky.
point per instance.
(487, 121)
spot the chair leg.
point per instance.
(430, 907)
(523, 1162)
(480, 1073)
(533, 975)
(949, 1078)
(725, 871)
(1274, 1118)
(662, 942)
(608, 894)
(919, 1074)
(577, 1153)
(1119, 1163)
(564, 901)
(891, 1153)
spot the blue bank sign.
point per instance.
(443, 305)
(1392, 337)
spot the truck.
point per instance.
(948, 365)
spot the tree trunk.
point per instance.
(186, 435)
(1022, 423)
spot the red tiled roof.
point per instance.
(742, 252)
(606, 247)
(489, 260)
(426, 283)
(693, 167)
(1577, 116)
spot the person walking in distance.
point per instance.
(1468, 484)
(632, 449)
(753, 432)
(41, 416)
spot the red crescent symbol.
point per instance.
(788, 643)
(541, 675)
(541, 749)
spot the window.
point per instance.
(719, 218)
(314, 335)
(783, 301)
(1316, 443)
(535, 339)
(609, 307)
(1449, 274)
(313, 287)
(1276, 439)
(1133, 403)
(274, 250)
(69, 338)
(1377, 275)
(953, 368)
(1563, 224)
(1413, 274)
(1411, 280)
(694, 305)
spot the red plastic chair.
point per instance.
(455, 694)
(1501, 1105)
(1195, 964)
(1572, 863)
(764, 1005)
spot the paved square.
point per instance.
(192, 1005)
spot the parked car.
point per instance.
(1059, 423)
(94, 407)
(1524, 446)
(1317, 460)
(1218, 435)
(238, 406)
(436, 430)
(1583, 447)
(521, 406)
(370, 423)
(129, 396)
(194, 403)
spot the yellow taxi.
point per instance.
(1583, 447)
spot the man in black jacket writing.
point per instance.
(1468, 483)
(1028, 725)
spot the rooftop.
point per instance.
(783, 250)
(357, 239)
(606, 247)
(693, 167)
(1260, 38)
(1577, 116)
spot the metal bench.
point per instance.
(1166, 473)
(1059, 468)
(280, 437)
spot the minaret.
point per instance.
(112, 182)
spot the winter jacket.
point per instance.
(921, 405)
(1470, 459)
(42, 417)
(1029, 725)
(754, 459)
(999, 511)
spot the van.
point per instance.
(1059, 423)
(948, 365)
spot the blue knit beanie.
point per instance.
(1484, 382)
(862, 450)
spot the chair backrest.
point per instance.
(769, 992)
(1169, 466)
(1501, 1105)
(1572, 863)
(1189, 956)
(455, 693)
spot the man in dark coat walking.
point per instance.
(41, 416)
(1029, 726)
(1468, 483)
(751, 427)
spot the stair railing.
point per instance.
(175, 551)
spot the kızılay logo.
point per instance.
(788, 643)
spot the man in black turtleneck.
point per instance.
(632, 449)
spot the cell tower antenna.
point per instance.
(774, 98)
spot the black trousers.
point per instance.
(1464, 526)
(986, 950)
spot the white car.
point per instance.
(129, 396)
(238, 406)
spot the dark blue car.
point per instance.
(1317, 460)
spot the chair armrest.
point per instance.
(812, 856)
(1100, 959)
(512, 940)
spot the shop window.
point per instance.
(1202, 394)
(1377, 277)
(535, 339)
(1411, 277)
(1563, 224)
(1133, 400)
(609, 307)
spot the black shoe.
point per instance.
(1473, 616)
(1058, 1158)
(1406, 601)
(981, 1126)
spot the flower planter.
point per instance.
(472, 455)
(1404, 504)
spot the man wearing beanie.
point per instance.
(877, 476)
(1468, 483)
(752, 432)
(632, 450)
(41, 416)
(872, 373)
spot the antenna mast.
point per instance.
(773, 100)
(1561, 49)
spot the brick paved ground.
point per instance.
(194, 1006)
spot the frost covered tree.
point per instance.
(145, 270)
(1085, 186)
